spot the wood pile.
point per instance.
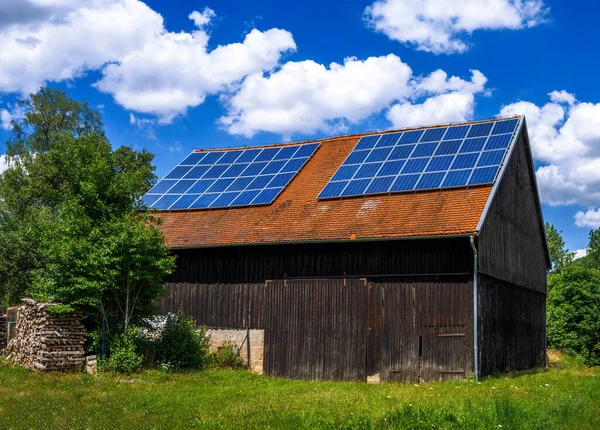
(44, 342)
(3, 328)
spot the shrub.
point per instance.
(124, 357)
(226, 357)
(574, 313)
(181, 344)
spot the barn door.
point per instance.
(427, 328)
(400, 338)
(444, 353)
(316, 329)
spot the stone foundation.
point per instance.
(220, 337)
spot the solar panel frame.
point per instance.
(467, 147)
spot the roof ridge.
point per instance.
(354, 135)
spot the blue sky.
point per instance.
(178, 75)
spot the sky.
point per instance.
(172, 76)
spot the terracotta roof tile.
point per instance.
(297, 216)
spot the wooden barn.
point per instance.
(407, 255)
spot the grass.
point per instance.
(565, 396)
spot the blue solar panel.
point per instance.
(218, 179)
(441, 157)
(388, 140)
(193, 159)
(433, 135)
(366, 142)
(380, 185)
(430, 180)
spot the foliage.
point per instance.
(71, 225)
(181, 344)
(574, 312)
(226, 357)
(562, 397)
(559, 254)
(124, 357)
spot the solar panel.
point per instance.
(217, 179)
(434, 158)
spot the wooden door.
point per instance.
(316, 329)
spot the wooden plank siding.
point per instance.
(257, 264)
(217, 305)
(511, 241)
(512, 326)
(316, 329)
(416, 312)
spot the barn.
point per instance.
(406, 255)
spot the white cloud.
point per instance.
(175, 147)
(146, 68)
(589, 218)
(175, 71)
(452, 99)
(3, 163)
(452, 107)
(144, 126)
(442, 26)
(6, 116)
(69, 38)
(565, 138)
(579, 253)
(562, 97)
(305, 97)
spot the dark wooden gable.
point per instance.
(512, 241)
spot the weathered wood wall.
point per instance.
(512, 326)
(428, 329)
(316, 329)
(256, 264)
(511, 241)
(217, 305)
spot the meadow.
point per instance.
(564, 396)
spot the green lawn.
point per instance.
(565, 397)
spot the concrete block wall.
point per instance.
(220, 337)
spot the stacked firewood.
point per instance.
(3, 328)
(45, 342)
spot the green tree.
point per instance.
(574, 312)
(71, 220)
(560, 256)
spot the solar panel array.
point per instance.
(230, 178)
(434, 158)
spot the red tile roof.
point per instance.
(297, 216)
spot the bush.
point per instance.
(123, 355)
(181, 344)
(574, 313)
(226, 357)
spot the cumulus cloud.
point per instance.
(175, 71)
(64, 39)
(305, 97)
(3, 163)
(579, 253)
(451, 99)
(565, 138)
(15, 112)
(589, 218)
(145, 67)
(442, 26)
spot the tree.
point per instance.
(560, 256)
(71, 220)
(574, 312)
